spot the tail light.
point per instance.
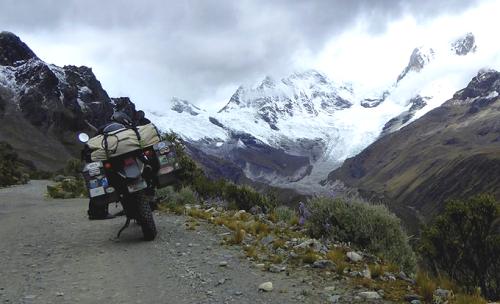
(149, 153)
(107, 166)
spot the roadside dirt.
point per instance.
(51, 253)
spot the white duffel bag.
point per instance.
(122, 141)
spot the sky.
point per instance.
(202, 50)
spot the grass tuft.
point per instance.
(426, 285)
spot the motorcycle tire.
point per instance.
(145, 218)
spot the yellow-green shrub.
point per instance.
(370, 227)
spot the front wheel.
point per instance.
(145, 218)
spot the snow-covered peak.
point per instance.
(464, 45)
(419, 58)
(302, 93)
(181, 105)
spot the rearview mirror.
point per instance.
(83, 137)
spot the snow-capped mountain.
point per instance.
(306, 115)
(302, 94)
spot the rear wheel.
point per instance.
(145, 217)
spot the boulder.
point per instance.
(354, 256)
(266, 286)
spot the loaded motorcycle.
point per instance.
(126, 163)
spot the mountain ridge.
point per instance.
(451, 152)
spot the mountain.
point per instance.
(419, 58)
(293, 131)
(274, 131)
(43, 106)
(452, 151)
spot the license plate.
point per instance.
(137, 186)
(97, 191)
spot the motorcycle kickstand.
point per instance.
(123, 228)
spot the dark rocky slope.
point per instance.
(43, 106)
(451, 152)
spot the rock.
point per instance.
(355, 274)
(59, 294)
(354, 256)
(260, 266)
(322, 264)
(366, 274)
(256, 210)
(334, 299)
(313, 244)
(415, 302)
(238, 214)
(238, 293)
(443, 294)
(266, 286)
(223, 264)
(411, 297)
(277, 268)
(404, 277)
(369, 295)
(267, 240)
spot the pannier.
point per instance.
(100, 191)
(168, 161)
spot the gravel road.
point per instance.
(51, 253)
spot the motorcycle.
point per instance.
(126, 163)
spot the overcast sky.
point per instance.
(203, 50)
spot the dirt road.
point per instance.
(51, 253)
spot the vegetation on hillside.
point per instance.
(12, 170)
(463, 243)
(242, 197)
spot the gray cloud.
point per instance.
(190, 48)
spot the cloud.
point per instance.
(197, 49)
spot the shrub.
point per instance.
(12, 170)
(464, 243)
(187, 196)
(68, 188)
(174, 199)
(284, 214)
(370, 227)
(166, 194)
(245, 197)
